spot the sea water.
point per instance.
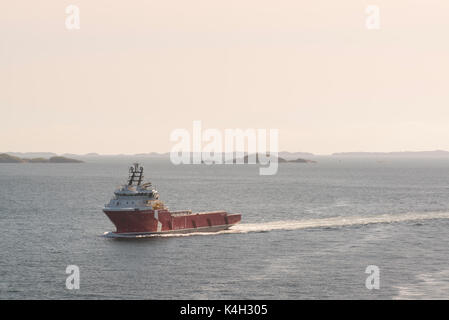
(308, 232)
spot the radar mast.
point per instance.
(135, 175)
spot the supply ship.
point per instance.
(135, 209)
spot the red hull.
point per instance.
(163, 221)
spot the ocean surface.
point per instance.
(308, 232)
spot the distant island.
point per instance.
(434, 153)
(280, 160)
(283, 156)
(246, 159)
(6, 158)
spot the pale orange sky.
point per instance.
(136, 70)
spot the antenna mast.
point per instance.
(135, 175)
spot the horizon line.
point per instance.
(348, 153)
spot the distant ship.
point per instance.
(136, 209)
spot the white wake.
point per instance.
(336, 222)
(433, 286)
(309, 223)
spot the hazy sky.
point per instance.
(136, 70)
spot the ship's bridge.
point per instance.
(145, 191)
(135, 195)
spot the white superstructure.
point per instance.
(135, 196)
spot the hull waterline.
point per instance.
(163, 222)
